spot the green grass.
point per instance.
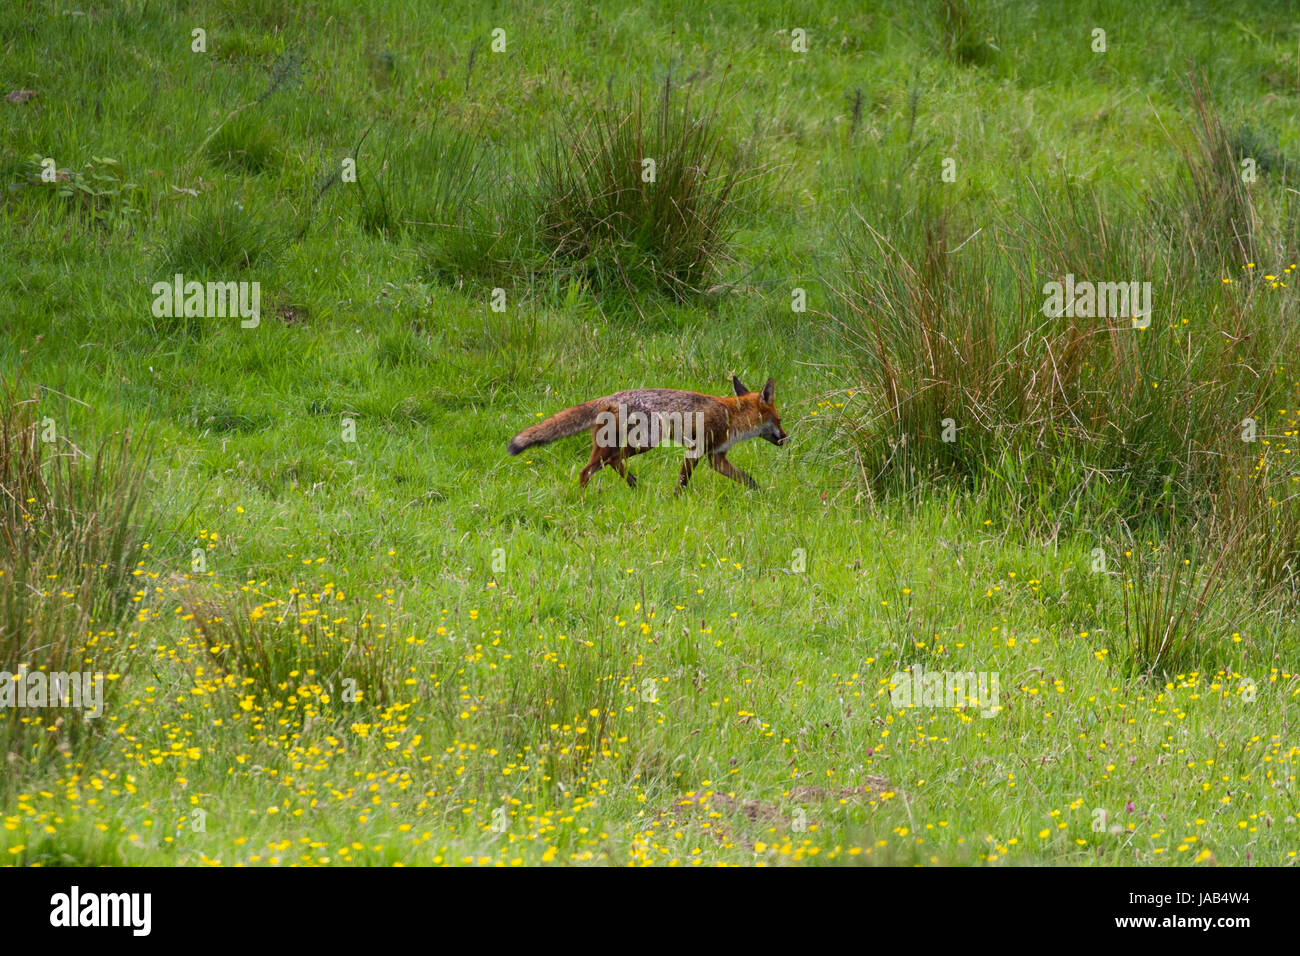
(358, 632)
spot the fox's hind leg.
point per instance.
(618, 461)
(625, 453)
(596, 463)
(688, 466)
(615, 458)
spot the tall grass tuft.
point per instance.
(71, 528)
(1258, 501)
(962, 373)
(1209, 214)
(1171, 611)
(220, 239)
(639, 197)
(282, 653)
(965, 33)
(247, 143)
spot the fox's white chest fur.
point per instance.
(736, 439)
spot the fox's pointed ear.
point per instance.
(735, 384)
(769, 391)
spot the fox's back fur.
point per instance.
(644, 401)
(706, 424)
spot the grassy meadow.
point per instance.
(337, 624)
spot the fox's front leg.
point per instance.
(724, 467)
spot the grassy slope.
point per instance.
(765, 680)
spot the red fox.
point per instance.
(628, 423)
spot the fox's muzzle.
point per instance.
(779, 439)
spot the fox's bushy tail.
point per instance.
(571, 421)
